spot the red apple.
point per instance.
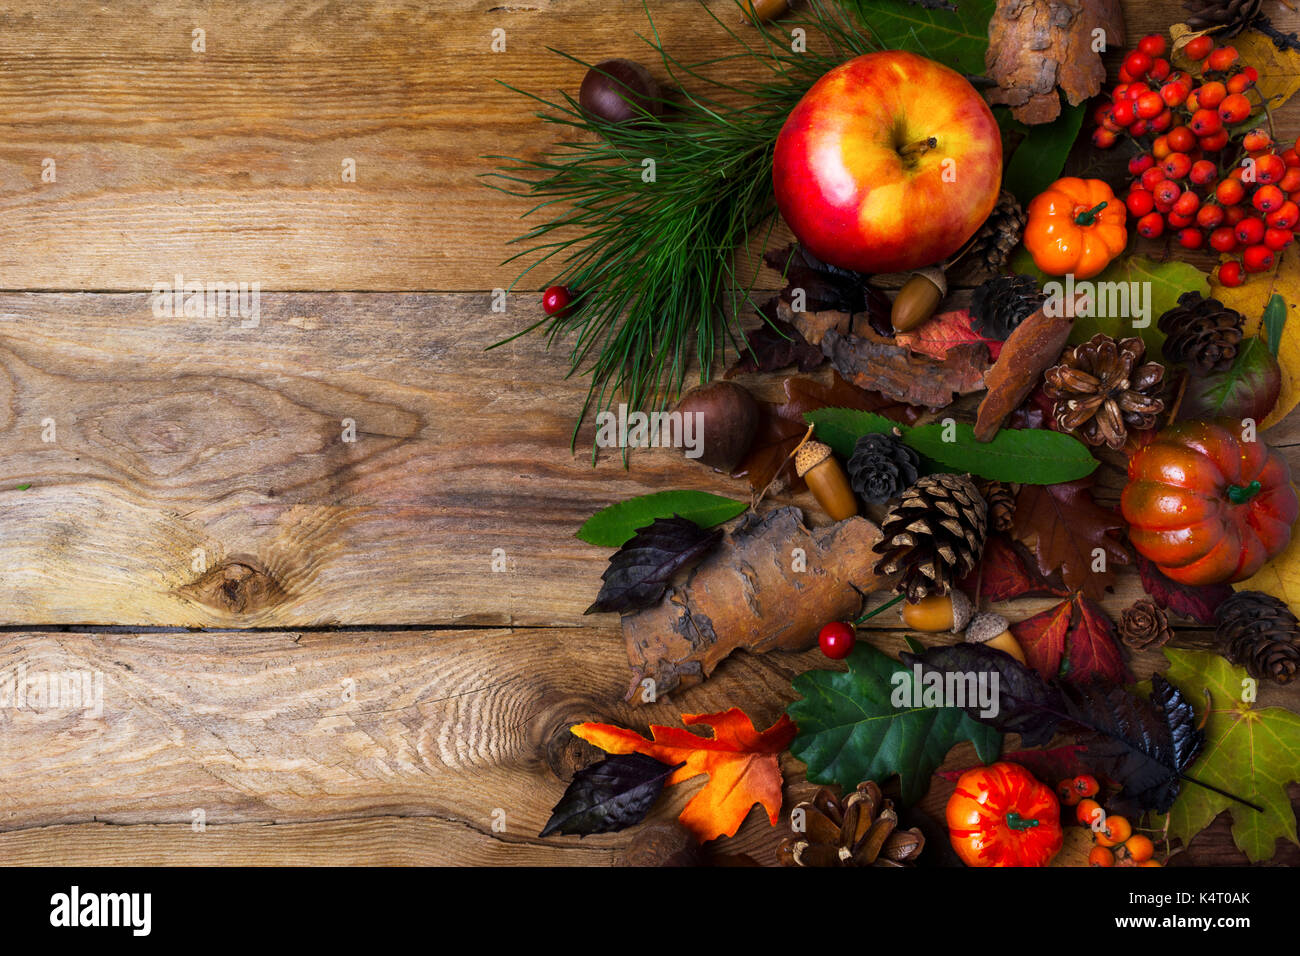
(889, 163)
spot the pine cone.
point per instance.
(1259, 632)
(1145, 624)
(933, 536)
(882, 467)
(1100, 390)
(861, 830)
(999, 235)
(1002, 303)
(1232, 15)
(1002, 505)
(1201, 333)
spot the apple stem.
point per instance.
(1088, 217)
(919, 148)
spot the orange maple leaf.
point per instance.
(742, 764)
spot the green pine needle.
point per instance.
(653, 262)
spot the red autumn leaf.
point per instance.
(1066, 529)
(1043, 638)
(1003, 574)
(1092, 649)
(1074, 640)
(1198, 603)
(742, 764)
(941, 332)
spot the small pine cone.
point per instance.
(1201, 333)
(882, 467)
(860, 830)
(1232, 16)
(1259, 632)
(1100, 390)
(934, 535)
(1002, 303)
(999, 235)
(1001, 500)
(1145, 624)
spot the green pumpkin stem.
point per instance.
(1239, 494)
(1016, 822)
(1089, 217)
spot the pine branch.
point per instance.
(1283, 41)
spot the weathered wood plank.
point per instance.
(227, 164)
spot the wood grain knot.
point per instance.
(566, 754)
(239, 585)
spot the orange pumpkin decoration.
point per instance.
(1075, 226)
(1205, 507)
(1001, 816)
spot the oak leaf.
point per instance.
(1198, 603)
(1065, 529)
(742, 764)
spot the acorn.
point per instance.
(727, 419)
(993, 630)
(939, 612)
(815, 464)
(620, 91)
(760, 11)
(918, 298)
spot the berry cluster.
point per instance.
(1207, 172)
(1117, 844)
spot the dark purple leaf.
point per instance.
(775, 345)
(611, 795)
(640, 571)
(1247, 389)
(1198, 603)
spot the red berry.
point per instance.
(1140, 164)
(1230, 192)
(1175, 220)
(1181, 139)
(1192, 103)
(1160, 148)
(1153, 45)
(1286, 217)
(1256, 139)
(1137, 63)
(1205, 122)
(1139, 128)
(1140, 202)
(1174, 94)
(1269, 168)
(1268, 199)
(1191, 238)
(1203, 172)
(1199, 48)
(1223, 239)
(1214, 142)
(1151, 225)
(1290, 182)
(1149, 105)
(1166, 193)
(1234, 109)
(1278, 239)
(1222, 58)
(1103, 138)
(1177, 165)
(1122, 113)
(1209, 216)
(1257, 259)
(1233, 215)
(836, 639)
(1162, 121)
(556, 301)
(1239, 83)
(1124, 75)
(1152, 178)
(1251, 74)
(1159, 69)
(1230, 274)
(1187, 204)
(1211, 94)
(1250, 231)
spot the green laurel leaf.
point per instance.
(614, 526)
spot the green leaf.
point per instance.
(1275, 321)
(1037, 161)
(1160, 285)
(24, 487)
(1252, 752)
(614, 526)
(1247, 389)
(850, 731)
(956, 38)
(842, 427)
(1028, 456)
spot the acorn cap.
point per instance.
(809, 456)
(962, 610)
(985, 626)
(936, 275)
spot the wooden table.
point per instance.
(306, 654)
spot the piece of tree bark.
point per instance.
(1030, 350)
(879, 365)
(751, 593)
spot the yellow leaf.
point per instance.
(1280, 577)
(1249, 299)
(1279, 70)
